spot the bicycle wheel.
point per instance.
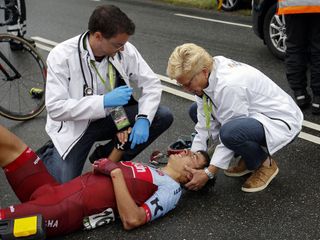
(22, 79)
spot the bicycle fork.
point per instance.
(16, 75)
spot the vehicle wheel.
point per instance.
(274, 32)
(229, 5)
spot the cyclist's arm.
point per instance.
(131, 214)
(115, 155)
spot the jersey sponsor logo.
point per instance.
(140, 167)
(157, 206)
(177, 191)
(35, 162)
(28, 150)
(139, 171)
(52, 223)
(120, 146)
(12, 209)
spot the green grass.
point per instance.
(205, 4)
(244, 12)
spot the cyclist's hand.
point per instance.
(123, 135)
(104, 166)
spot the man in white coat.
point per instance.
(88, 77)
(242, 108)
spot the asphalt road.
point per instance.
(288, 209)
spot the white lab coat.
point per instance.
(238, 90)
(69, 111)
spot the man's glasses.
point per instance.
(117, 46)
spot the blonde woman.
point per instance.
(241, 108)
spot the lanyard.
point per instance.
(207, 108)
(111, 75)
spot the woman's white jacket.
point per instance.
(238, 90)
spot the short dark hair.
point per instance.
(206, 157)
(110, 21)
(211, 182)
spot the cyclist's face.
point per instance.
(190, 159)
(111, 46)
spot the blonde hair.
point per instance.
(187, 60)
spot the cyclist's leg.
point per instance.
(72, 166)
(53, 203)
(23, 168)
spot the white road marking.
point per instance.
(43, 47)
(309, 137)
(179, 93)
(47, 45)
(213, 20)
(45, 41)
(311, 125)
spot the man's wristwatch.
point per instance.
(209, 174)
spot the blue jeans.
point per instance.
(193, 112)
(246, 137)
(100, 130)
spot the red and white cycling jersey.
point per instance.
(64, 206)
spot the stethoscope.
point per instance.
(87, 91)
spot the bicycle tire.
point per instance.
(21, 98)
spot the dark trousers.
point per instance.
(303, 48)
(193, 112)
(246, 137)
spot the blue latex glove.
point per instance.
(117, 97)
(140, 132)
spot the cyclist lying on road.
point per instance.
(136, 192)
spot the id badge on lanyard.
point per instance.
(207, 108)
(118, 114)
(111, 75)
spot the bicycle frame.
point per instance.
(3, 70)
